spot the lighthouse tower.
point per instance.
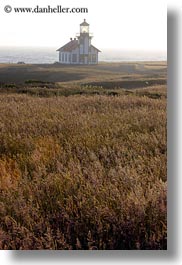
(84, 40)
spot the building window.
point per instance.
(69, 57)
(62, 57)
(94, 58)
(74, 58)
(65, 57)
(81, 58)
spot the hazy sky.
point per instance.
(116, 24)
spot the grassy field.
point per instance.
(83, 159)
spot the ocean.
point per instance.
(49, 55)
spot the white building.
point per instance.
(79, 50)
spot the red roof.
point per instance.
(95, 48)
(72, 45)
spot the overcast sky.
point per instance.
(116, 24)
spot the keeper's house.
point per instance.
(79, 50)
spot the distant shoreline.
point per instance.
(100, 63)
(49, 55)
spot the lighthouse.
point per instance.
(79, 50)
(84, 43)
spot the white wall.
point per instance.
(64, 57)
(86, 45)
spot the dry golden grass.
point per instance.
(83, 172)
